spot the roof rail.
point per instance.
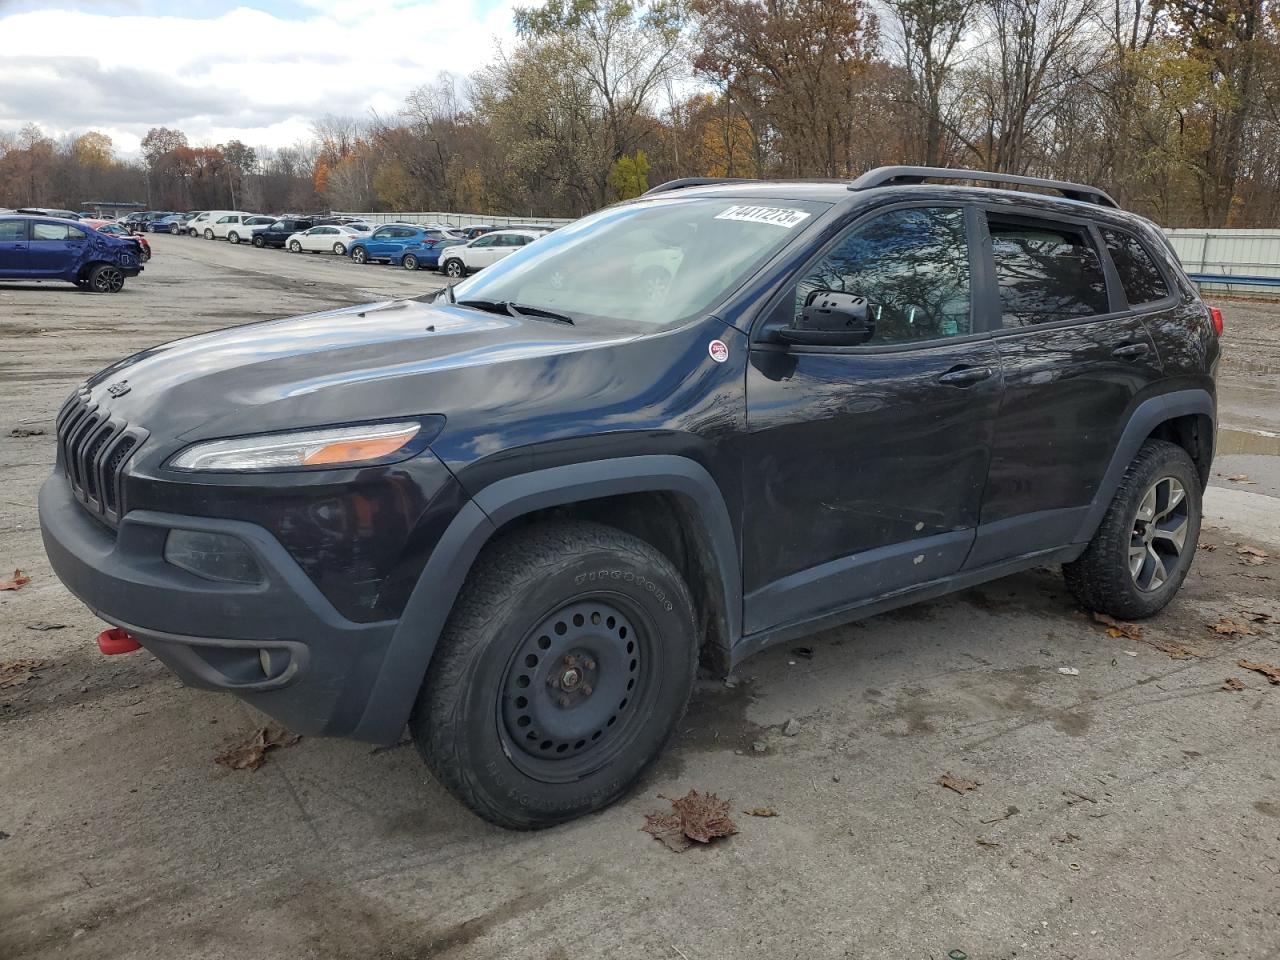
(886, 176)
(691, 182)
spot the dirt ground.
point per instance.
(1132, 811)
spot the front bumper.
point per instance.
(323, 667)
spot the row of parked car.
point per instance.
(455, 251)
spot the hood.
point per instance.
(366, 362)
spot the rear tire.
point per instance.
(564, 668)
(1144, 546)
(410, 262)
(295, 246)
(233, 237)
(208, 234)
(340, 249)
(106, 278)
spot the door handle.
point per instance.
(965, 376)
(1131, 351)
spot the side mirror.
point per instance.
(831, 318)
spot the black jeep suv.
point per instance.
(517, 515)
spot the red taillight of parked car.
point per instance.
(1216, 316)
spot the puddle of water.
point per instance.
(1257, 442)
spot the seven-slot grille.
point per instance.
(93, 447)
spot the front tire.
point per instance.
(360, 255)
(455, 269)
(174, 229)
(565, 667)
(1144, 546)
(259, 242)
(106, 278)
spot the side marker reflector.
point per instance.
(115, 640)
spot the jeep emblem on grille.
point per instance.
(119, 388)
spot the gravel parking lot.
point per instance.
(1130, 811)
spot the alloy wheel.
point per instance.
(108, 280)
(1159, 534)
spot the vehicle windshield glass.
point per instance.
(659, 262)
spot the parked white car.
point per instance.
(327, 238)
(200, 222)
(234, 226)
(466, 258)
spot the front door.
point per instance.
(13, 248)
(864, 466)
(1075, 358)
(482, 252)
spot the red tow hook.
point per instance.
(115, 640)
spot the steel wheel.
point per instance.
(576, 688)
(106, 279)
(1159, 533)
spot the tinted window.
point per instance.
(911, 265)
(1046, 273)
(50, 231)
(486, 241)
(1139, 276)
(12, 230)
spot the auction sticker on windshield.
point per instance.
(778, 216)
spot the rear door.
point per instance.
(1076, 359)
(864, 466)
(13, 248)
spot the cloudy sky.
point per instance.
(253, 70)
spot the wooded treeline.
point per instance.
(1173, 106)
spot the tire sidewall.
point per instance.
(663, 606)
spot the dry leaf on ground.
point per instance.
(958, 784)
(699, 817)
(1241, 478)
(1258, 616)
(14, 673)
(1117, 629)
(761, 812)
(16, 582)
(1208, 547)
(26, 432)
(1253, 556)
(1269, 671)
(1232, 684)
(252, 753)
(1175, 650)
(1229, 628)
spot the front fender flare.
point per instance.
(413, 643)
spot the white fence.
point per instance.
(1225, 253)
(454, 219)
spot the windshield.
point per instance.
(659, 262)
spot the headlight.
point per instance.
(333, 446)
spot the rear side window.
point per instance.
(49, 231)
(1047, 273)
(1139, 275)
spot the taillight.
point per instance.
(1216, 316)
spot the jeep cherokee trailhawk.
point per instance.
(516, 515)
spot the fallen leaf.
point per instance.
(958, 784)
(18, 581)
(1232, 684)
(1175, 650)
(26, 432)
(1116, 629)
(45, 625)
(251, 754)
(1272, 673)
(697, 817)
(1207, 547)
(14, 673)
(1065, 838)
(761, 812)
(1241, 478)
(1229, 628)
(1252, 551)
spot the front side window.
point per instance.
(656, 262)
(488, 240)
(1139, 276)
(1046, 272)
(911, 265)
(49, 231)
(383, 232)
(224, 219)
(11, 230)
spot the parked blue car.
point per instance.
(46, 248)
(412, 247)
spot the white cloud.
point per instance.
(244, 73)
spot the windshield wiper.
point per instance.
(511, 309)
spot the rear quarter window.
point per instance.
(1140, 278)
